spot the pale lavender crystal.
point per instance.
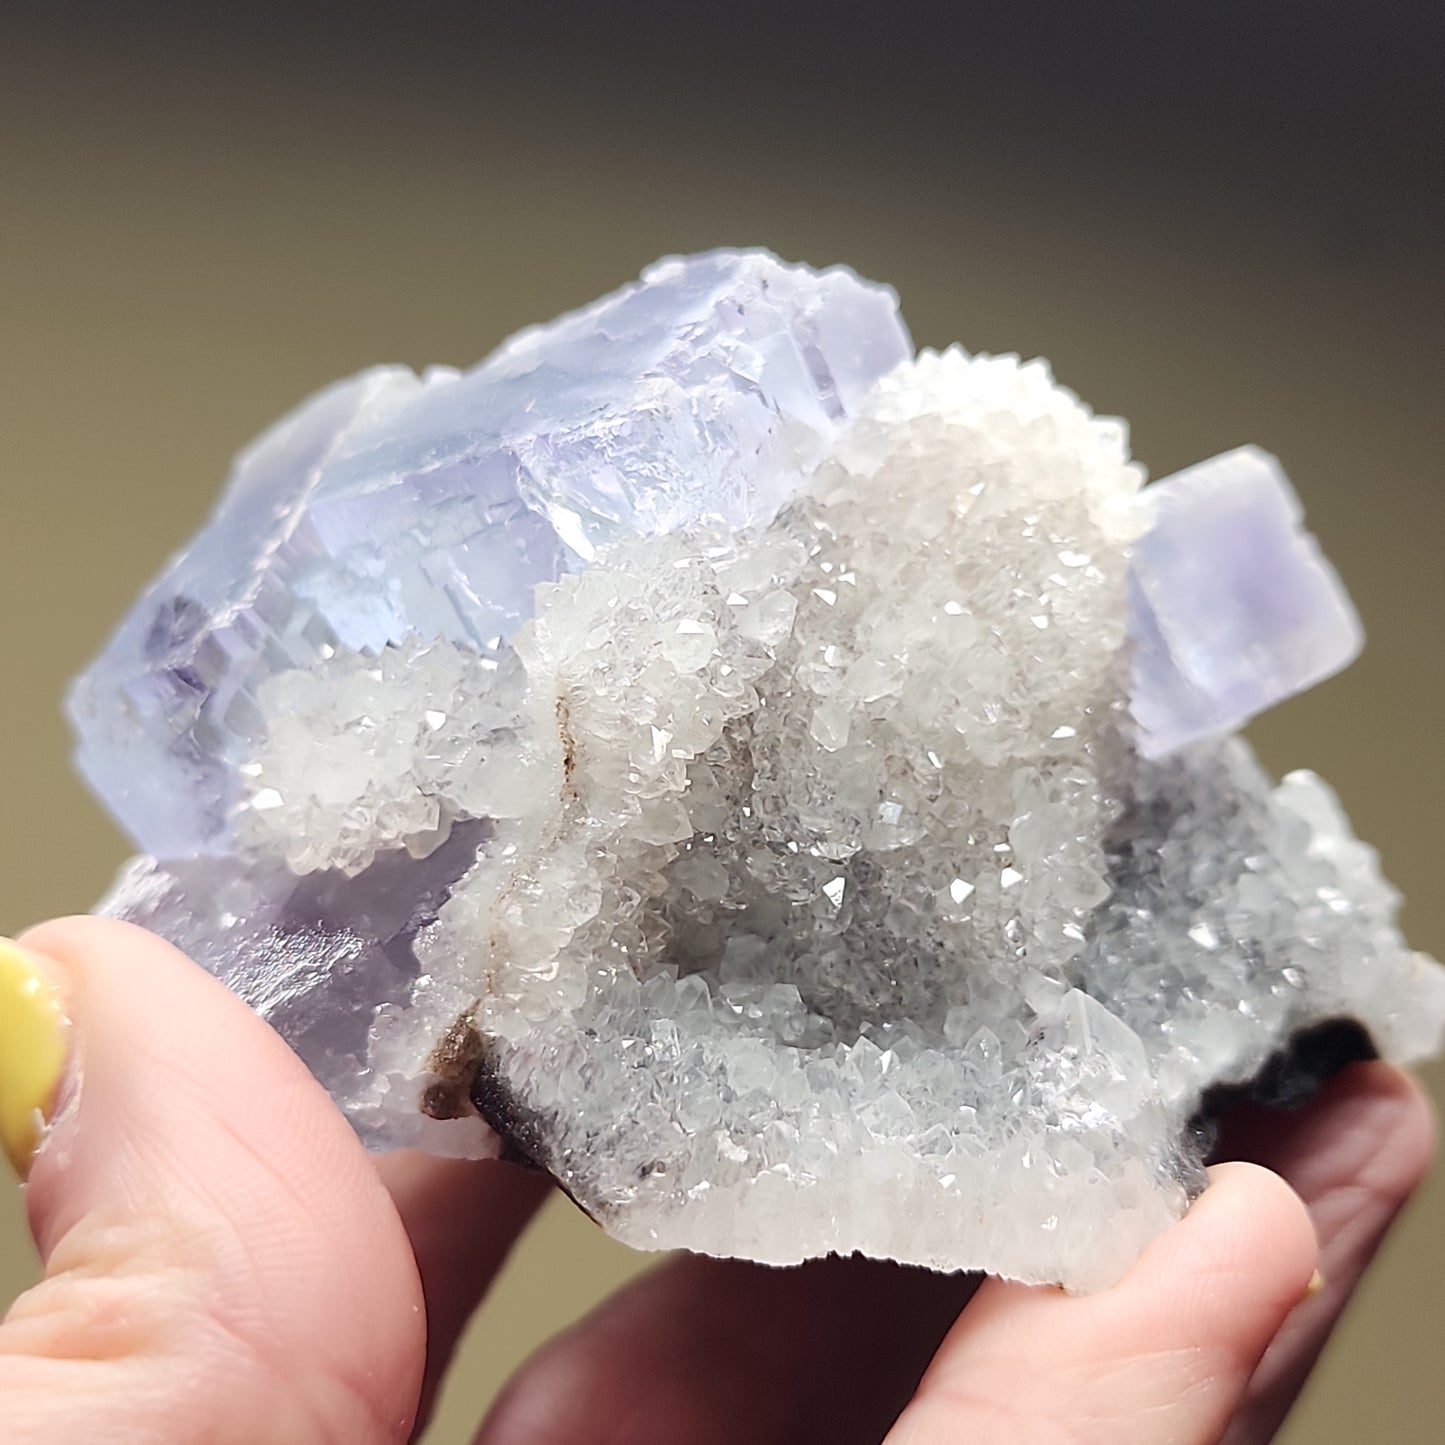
(1233, 606)
(390, 505)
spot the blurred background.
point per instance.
(1221, 221)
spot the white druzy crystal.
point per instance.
(860, 865)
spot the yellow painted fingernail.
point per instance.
(1316, 1284)
(32, 1053)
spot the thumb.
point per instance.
(221, 1260)
(1165, 1355)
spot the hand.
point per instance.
(225, 1264)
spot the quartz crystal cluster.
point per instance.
(781, 784)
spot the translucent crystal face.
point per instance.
(393, 507)
(779, 782)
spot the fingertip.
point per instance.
(1372, 1128)
(72, 946)
(1248, 1219)
(59, 938)
(1355, 1154)
(1167, 1352)
(1391, 1108)
(1259, 1204)
(1409, 1126)
(1228, 1275)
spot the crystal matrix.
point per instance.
(782, 783)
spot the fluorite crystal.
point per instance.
(780, 784)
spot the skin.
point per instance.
(225, 1264)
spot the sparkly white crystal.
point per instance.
(808, 860)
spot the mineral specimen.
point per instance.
(780, 784)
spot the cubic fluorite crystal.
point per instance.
(781, 783)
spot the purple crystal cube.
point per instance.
(1233, 607)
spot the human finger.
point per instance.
(1166, 1354)
(221, 1260)
(462, 1217)
(1354, 1155)
(711, 1352)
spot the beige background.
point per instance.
(199, 228)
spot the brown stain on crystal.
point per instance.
(454, 1061)
(569, 747)
(460, 1052)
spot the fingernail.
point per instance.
(32, 1053)
(1316, 1284)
